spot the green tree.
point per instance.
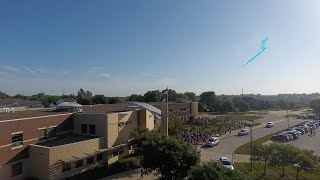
(306, 160)
(211, 171)
(135, 97)
(84, 97)
(3, 95)
(284, 154)
(182, 96)
(315, 104)
(152, 96)
(263, 153)
(191, 96)
(168, 157)
(99, 99)
(243, 107)
(19, 96)
(114, 100)
(175, 126)
(209, 99)
(227, 106)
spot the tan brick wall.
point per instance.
(49, 159)
(100, 120)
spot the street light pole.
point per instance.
(288, 112)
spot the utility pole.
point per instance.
(288, 113)
(251, 139)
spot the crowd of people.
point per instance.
(224, 126)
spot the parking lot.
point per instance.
(307, 141)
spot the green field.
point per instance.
(241, 117)
(274, 173)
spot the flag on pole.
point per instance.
(164, 96)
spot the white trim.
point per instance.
(18, 132)
(35, 117)
(42, 128)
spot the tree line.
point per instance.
(208, 101)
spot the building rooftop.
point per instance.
(66, 140)
(28, 114)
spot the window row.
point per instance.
(89, 160)
(121, 124)
(46, 133)
(85, 128)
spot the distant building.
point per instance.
(30, 104)
(63, 100)
(9, 102)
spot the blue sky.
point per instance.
(118, 48)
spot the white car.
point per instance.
(212, 141)
(269, 124)
(243, 132)
(225, 162)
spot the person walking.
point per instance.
(311, 131)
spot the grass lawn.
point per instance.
(115, 168)
(274, 173)
(241, 117)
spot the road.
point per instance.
(229, 144)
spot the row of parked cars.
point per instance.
(297, 131)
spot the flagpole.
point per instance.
(167, 114)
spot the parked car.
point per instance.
(313, 122)
(294, 134)
(269, 124)
(312, 126)
(243, 132)
(305, 127)
(224, 161)
(300, 129)
(281, 138)
(212, 141)
(289, 136)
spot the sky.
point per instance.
(124, 47)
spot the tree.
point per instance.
(152, 96)
(284, 154)
(212, 170)
(19, 96)
(135, 97)
(191, 96)
(168, 157)
(263, 153)
(3, 95)
(175, 126)
(181, 96)
(243, 107)
(114, 100)
(306, 160)
(227, 106)
(209, 99)
(84, 97)
(99, 99)
(315, 104)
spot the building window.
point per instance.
(90, 160)
(115, 152)
(181, 117)
(99, 157)
(79, 163)
(17, 169)
(66, 167)
(84, 129)
(41, 133)
(121, 150)
(52, 132)
(17, 139)
(92, 129)
(183, 109)
(170, 110)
